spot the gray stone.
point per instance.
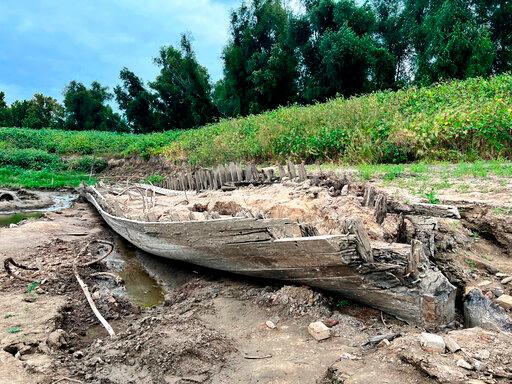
(432, 343)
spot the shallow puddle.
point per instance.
(139, 285)
(15, 218)
(60, 201)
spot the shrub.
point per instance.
(88, 164)
(29, 159)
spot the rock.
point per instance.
(483, 354)
(501, 274)
(57, 339)
(464, 364)
(506, 280)
(78, 354)
(13, 225)
(451, 344)
(319, 331)
(432, 343)
(504, 301)
(479, 311)
(476, 364)
(270, 324)
(497, 291)
(40, 291)
(29, 298)
(484, 283)
(383, 343)
(330, 322)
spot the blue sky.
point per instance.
(44, 44)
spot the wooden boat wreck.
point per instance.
(395, 278)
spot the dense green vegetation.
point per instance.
(453, 121)
(275, 57)
(456, 121)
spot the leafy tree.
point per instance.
(260, 68)
(183, 90)
(456, 47)
(497, 14)
(86, 108)
(392, 32)
(136, 102)
(339, 52)
(43, 112)
(3, 110)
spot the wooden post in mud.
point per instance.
(380, 208)
(414, 259)
(281, 172)
(302, 172)
(369, 196)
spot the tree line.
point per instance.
(275, 57)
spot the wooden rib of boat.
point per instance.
(395, 278)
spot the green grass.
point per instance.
(12, 177)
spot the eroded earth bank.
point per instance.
(177, 323)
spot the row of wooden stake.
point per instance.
(231, 176)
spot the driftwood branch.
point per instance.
(84, 286)
(88, 296)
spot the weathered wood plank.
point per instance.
(424, 209)
(355, 226)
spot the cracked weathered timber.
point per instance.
(277, 249)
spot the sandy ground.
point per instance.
(212, 327)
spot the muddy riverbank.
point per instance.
(177, 323)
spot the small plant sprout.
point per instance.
(13, 330)
(432, 197)
(343, 303)
(32, 287)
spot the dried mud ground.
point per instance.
(210, 328)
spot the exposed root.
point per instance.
(108, 275)
(84, 250)
(7, 266)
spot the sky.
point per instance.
(44, 44)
